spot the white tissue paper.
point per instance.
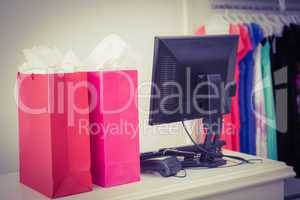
(70, 62)
(112, 52)
(41, 59)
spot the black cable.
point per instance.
(243, 160)
(234, 165)
(193, 141)
(226, 166)
(249, 161)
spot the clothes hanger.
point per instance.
(242, 18)
(238, 18)
(289, 19)
(258, 21)
(294, 20)
(266, 22)
(225, 16)
(217, 24)
(233, 17)
(273, 26)
(249, 17)
(256, 18)
(283, 20)
(276, 23)
(298, 19)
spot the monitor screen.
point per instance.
(182, 68)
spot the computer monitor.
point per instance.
(192, 78)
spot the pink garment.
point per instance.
(231, 121)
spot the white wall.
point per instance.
(198, 13)
(79, 25)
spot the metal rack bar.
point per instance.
(255, 5)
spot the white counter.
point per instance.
(250, 181)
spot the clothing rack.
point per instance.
(285, 7)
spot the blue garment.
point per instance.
(242, 104)
(247, 117)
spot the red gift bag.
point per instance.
(54, 150)
(114, 127)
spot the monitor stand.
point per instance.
(212, 142)
(212, 156)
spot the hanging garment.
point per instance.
(259, 105)
(242, 103)
(246, 37)
(285, 67)
(270, 118)
(246, 79)
(248, 130)
(231, 122)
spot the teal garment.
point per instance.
(269, 101)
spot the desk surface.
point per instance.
(199, 182)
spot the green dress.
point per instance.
(269, 102)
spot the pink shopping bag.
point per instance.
(54, 151)
(114, 127)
